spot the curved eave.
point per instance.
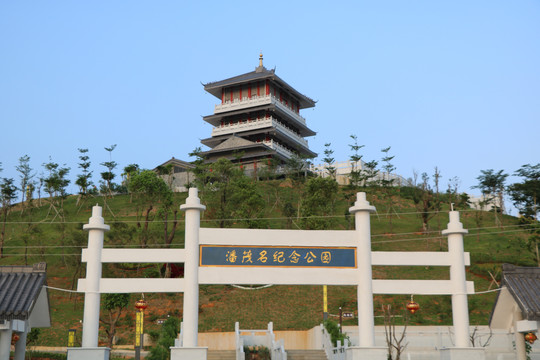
(215, 88)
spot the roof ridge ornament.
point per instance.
(261, 59)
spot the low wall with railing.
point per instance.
(423, 341)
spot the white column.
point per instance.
(96, 231)
(193, 209)
(460, 308)
(20, 346)
(5, 344)
(361, 211)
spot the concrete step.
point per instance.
(221, 355)
(306, 355)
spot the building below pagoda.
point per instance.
(257, 122)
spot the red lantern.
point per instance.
(412, 306)
(14, 338)
(141, 305)
(531, 338)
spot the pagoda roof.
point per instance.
(260, 73)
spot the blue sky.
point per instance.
(453, 84)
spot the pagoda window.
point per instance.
(240, 94)
(267, 88)
(249, 91)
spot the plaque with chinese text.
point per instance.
(284, 256)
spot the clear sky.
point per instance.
(453, 84)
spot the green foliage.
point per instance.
(262, 352)
(115, 301)
(356, 176)
(108, 176)
(335, 334)
(229, 194)
(84, 180)
(319, 203)
(329, 160)
(169, 332)
(525, 194)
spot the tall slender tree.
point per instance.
(329, 160)
(356, 176)
(8, 193)
(25, 175)
(84, 179)
(109, 175)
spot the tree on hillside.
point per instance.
(150, 191)
(115, 304)
(84, 179)
(25, 175)
(492, 185)
(329, 160)
(108, 176)
(318, 204)
(388, 167)
(525, 194)
(56, 183)
(297, 167)
(369, 173)
(229, 194)
(387, 183)
(129, 171)
(168, 172)
(8, 193)
(356, 176)
(437, 196)
(424, 202)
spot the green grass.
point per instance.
(289, 307)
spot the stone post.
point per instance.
(96, 231)
(361, 211)
(193, 209)
(460, 308)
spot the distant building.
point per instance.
(258, 120)
(344, 168)
(483, 202)
(176, 174)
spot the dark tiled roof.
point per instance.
(524, 285)
(260, 73)
(19, 289)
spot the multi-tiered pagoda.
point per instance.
(257, 120)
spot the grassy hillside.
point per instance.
(41, 233)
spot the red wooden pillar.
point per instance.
(267, 88)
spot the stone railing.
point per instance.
(258, 124)
(246, 102)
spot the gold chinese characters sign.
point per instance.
(283, 256)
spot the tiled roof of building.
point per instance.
(523, 283)
(19, 289)
(260, 73)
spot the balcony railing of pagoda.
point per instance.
(246, 102)
(279, 148)
(258, 124)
